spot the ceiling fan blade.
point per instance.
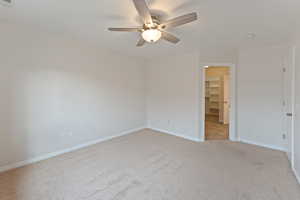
(125, 29)
(170, 38)
(184, 19)
(141, 42)
(143, 10)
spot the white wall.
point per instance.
(173, 92)
(259, 88)
(297, 114)
(172, 95)
(57, 92)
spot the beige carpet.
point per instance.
(154, 166)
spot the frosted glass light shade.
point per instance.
(151, 35)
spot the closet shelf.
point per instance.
(212, 87)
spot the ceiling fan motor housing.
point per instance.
(154, 25)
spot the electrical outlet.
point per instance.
(168, 123)
(284, 136)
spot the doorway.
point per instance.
(217, 102)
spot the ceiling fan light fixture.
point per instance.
(153, 28)
(151, 35)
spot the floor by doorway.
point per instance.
(217, 102)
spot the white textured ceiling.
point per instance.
(222, 27)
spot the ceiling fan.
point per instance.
(153, 28)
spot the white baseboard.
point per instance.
(296, 174)
(57, 153)
(175, 134)
(263, 145)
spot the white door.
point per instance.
(224, 100)
(288, 108)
